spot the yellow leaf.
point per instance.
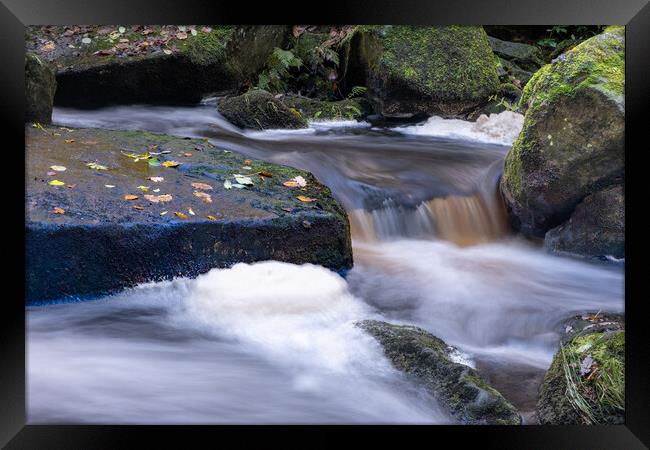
(69, 141)
(56, 183)
(143, 188)
(211, 217)
(305, 199)
(130, 197)
(171, 164)
(291, 184)
(180, 215)
(203, 186)
(58, 210)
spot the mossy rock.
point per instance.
(595, 229)
(260, 110)
(571, 394)
(572, 141)
(313, 109)
(412, 70)
(167, 69)
(458, 388)
(40, 86)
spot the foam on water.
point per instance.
(502, 128)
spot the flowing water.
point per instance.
(431, 247)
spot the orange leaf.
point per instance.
(248, 162)
(203, 186)
(291, 184)
(203, 196)
(305, 199)
(211, 217)
(58, 210)
(130, 197)
(265, 174)
(180, 215)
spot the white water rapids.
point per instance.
(276, 343)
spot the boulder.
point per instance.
(98, 65)
(260, 110)
(100, 241)
(585, 383)
(457, 387)
(313, 109)
(572, 141)
(411, 70)
(40, 86)
(596, 227)
(526, 57)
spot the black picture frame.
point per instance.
(15, 14)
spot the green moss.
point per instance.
(448, 63)
(207, 48)
(598, 62)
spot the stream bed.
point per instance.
(276, 343)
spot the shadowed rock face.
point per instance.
(572, 141)
(412, 70)
(596, 227)
(220, 60)
(103, 242)
(40, 86)
(459, 388)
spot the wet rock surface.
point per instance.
(40, 86)
(107, 235)
(459, 388)
(260, 110)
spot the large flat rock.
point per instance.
(103, 242)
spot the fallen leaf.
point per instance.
(227, 184)
(51, 173)
(211, 217)
(130, 197)
(144, 188)
(86, 40)
(180, 215)
(203, 186)
(69, 141)
(96, 166)
(248, 162)
(71, 186)
(159, 198)
(167, 51)
(206, 29)
(122, 30)
(138, 207)
(153, 162)
(48, 46)
(190, 211)
(156, 190)
(187, 154)
(109, 185)
(163, 213)
(58, 210)
(203, 196)
(181, 35)
(171, 164)
(56, 183)
(156, 179)
(305, 199)
(291, 184)
(287, 209)
(243, 179)
(58, 168)
(300, 180)
(265, 174)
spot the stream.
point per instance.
(431, 246)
